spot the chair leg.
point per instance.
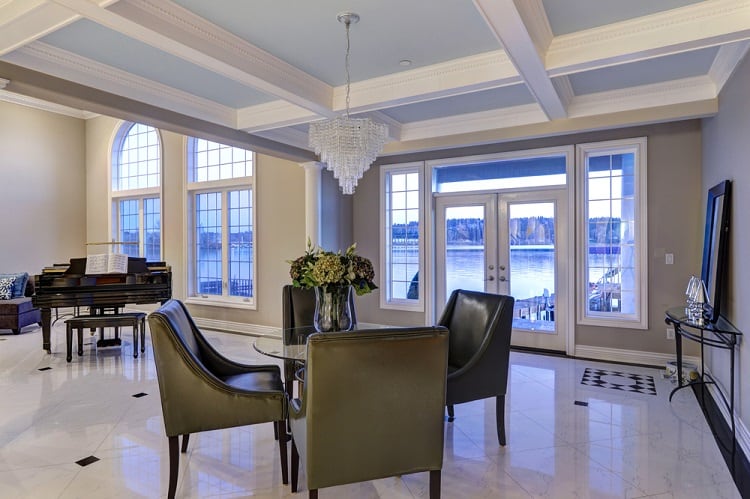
(313, 494)
(295, 465)
(435, 484)
(500, 418)
(80, 341)
(275, 431)
(185, 439)
(143, 335)
(279, 425)
(135, 340)
(174, 465)
(451, 413)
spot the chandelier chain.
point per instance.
(346, 64)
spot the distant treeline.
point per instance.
(529, 230)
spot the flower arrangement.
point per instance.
(320, 268)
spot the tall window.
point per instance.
(136, 197)
(222, 249)
(612, 233)
(402, 237)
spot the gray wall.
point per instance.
(726, 155)
(674, 205)
(42, 195)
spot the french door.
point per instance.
(513, 243)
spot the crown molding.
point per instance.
(270, 115)
(459, 76)
(43, 105)
(466, 74)
(290, 136)
(24, 21)
(66, 65)
(473, 122)
(199, 41)
(726, 61)
(696, 26)
(681, 91)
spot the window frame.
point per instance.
(138, 194)
(639, 319)
(223, 186)
(386, 301)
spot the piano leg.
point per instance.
(46, 324)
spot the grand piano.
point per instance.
(62, 286)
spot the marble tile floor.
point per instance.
(565, 439)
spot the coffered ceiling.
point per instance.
(257, 72)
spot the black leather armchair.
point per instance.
(202, 390)
(480, 325)
(371, 407)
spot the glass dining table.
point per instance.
(292, 344)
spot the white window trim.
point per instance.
(639, 320)
(398, 303)
(115, 196)
(223, 185)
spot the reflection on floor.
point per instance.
(565, 438)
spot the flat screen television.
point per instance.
(715, 247)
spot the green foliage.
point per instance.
(318, 267)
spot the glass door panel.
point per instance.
(532, 265)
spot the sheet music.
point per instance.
(118, 263)
(107, 263)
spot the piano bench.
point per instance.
(136, 320)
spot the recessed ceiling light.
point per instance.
(404, 62)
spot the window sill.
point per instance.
(216, 301)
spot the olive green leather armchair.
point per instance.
(479, 352)
(371, 407)
(202, 390)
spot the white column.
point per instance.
(313, 186)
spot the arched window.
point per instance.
(136, 192)
(222, 220)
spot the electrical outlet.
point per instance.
(670, 333)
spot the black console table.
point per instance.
(722, 335)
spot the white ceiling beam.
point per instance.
(176, 31)
(23, 21)
(726, 61)
(459, 76)
(60, 63)
(506, 22)
(704, 24)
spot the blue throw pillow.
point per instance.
(18, 290)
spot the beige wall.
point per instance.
(726, 155)
(42, 188)
(674, 191)
(280, 231)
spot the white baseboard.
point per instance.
(630, 356)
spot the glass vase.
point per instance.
(332, 310)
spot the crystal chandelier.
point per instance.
(347, 145)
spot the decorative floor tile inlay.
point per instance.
(139, 395)
(579, 402)
(87, 460)
(627, 382)
(44, 368)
